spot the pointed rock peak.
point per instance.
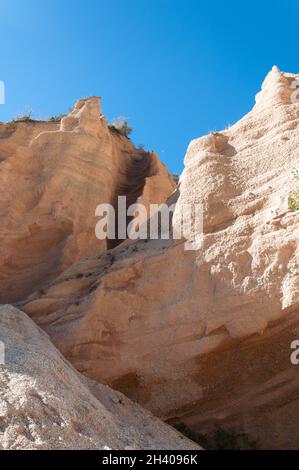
(275, 89)
(85, 115)
(90, 102)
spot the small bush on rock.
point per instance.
(56, 118)
(294, 197)
(220, 439)
(121, 125)
(24, 118)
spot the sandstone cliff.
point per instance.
(52, 177)
(200, 336)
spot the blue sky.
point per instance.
(177, 69)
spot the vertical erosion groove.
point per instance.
(140, 166)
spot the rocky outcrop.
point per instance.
(202, 336)
(46, 404)
(52, 178)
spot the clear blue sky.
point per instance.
(177, 69)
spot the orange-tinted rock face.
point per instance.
(202, 336)
(52, 177)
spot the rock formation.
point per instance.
(52, 178)
(202, 336)
(198, 336)
(46, 404)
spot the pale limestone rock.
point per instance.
(46, 404)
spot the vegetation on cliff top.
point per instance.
(121, 126)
